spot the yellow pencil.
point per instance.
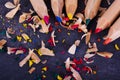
(71, 6)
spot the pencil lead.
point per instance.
(46, 19)
(58, 19)
(107, 41)
(88, 21)
(98, 30)
(70, 16)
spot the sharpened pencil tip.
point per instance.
(98, 30)
(58, 19)
(88, 21)
(70, 16)
(46, 19)
(107, 41)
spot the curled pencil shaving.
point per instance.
(88, 69)
(68, 63)
(45, 27)
(93, 49)
(9, 5)
(2, 43)
(45, 51)
(11, 50)
(83, 36)
(72, 49)
(75, 74)
(10, 31)
(25, 16)
(53, 38)
(44, 62)
(26, 37)
(7, 35)
(105, 54)
(88, 61)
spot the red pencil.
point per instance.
(108, 17)
(114, 32)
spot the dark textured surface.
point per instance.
(107, 69)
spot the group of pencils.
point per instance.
(109, 19)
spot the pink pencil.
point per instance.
(108, 17)
(114, 32)
(41, 9)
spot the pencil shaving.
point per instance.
(23, 62)
(12, 13)
(75, 74)
(32, 70)
(45, 51)
(9, 5)
(2, 43)
(35, 58)
(72, 48)
(68, 63)
(105, 54)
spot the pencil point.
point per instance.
(58, 19)
(88, 21)
(70, 16)
(98, 30)
(46, 19)
(107, 41)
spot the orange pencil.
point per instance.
(108, 17)
(91, 9)
(114, 32)
(41, 9)
(57, 7)
(71, 6)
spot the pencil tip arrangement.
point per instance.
(39, 21)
